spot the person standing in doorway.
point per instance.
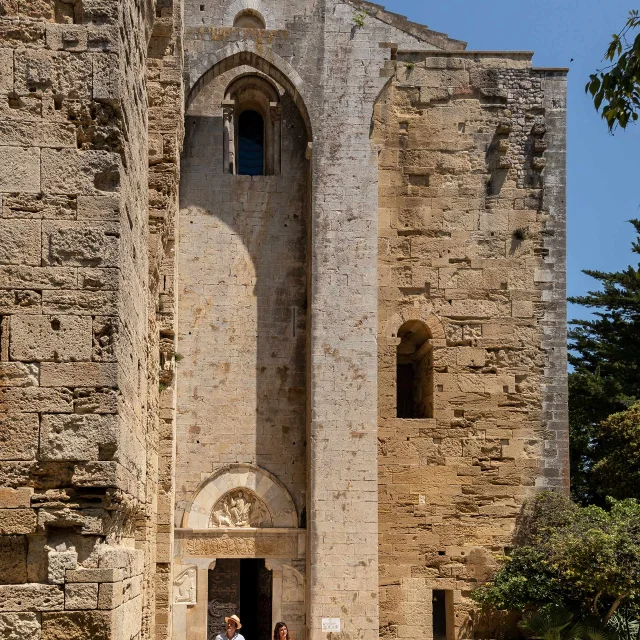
(280, 632)
(233, 626)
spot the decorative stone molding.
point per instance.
(241, 496)
(240, 543)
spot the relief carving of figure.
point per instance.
(240, 509)
(184, 587)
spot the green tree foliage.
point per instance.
(585, 560)
(617, 472)
(616, 89)
(605, 354)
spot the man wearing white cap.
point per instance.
(233, 626)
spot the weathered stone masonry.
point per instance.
(178, 390)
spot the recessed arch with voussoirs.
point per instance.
(249, 480)
(262, 60)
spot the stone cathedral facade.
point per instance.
(282, 318)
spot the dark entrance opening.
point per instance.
(414, 372)
(439, 615)
(243, 587)
(250, 144)
(404, 388)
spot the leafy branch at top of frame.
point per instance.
(616, 89)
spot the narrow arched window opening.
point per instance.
(414, 372)
(250, 144)
(249, 19)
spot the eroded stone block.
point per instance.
(76, 625)
(82, 596)
(80, 172)
(106, 77)
(34, 399)
(87, 303)
(13, 560)
(17, 374)
(15, 498)
(6, 70)
(18, 521)
(50, 338)
(31, 597)
(20, 238)
(81, 244)
(20, 626)
(38, 134)
(58, 562)
(19, 277)
(78, 437)
(99, 208)
(18, 436)
(79, 374)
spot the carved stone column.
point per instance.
(275, 116)
(275, 566)
(229, 144)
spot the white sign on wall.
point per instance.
(330, 625)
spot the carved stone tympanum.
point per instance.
(240, 508)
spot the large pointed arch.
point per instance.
(262, 59)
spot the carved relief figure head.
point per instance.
(240, 508)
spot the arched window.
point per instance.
(249, 19)
(414, 372)
(252, 117)
(250, 144)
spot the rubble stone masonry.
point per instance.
(352, 367)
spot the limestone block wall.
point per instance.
(242, 281)
(78, 458)
(471, 238)
(334, 70)
(166, 132)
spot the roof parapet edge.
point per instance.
(419, 31)
(469, 53)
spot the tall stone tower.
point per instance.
(282, 318)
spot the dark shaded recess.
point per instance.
(250, 144)
(405, 385)
(243, 587)
(439, 615)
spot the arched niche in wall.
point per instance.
(241, 496)
(252, 120)
(249, 19)
(408, 341)
(414, 371)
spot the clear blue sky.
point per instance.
(603, 171)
